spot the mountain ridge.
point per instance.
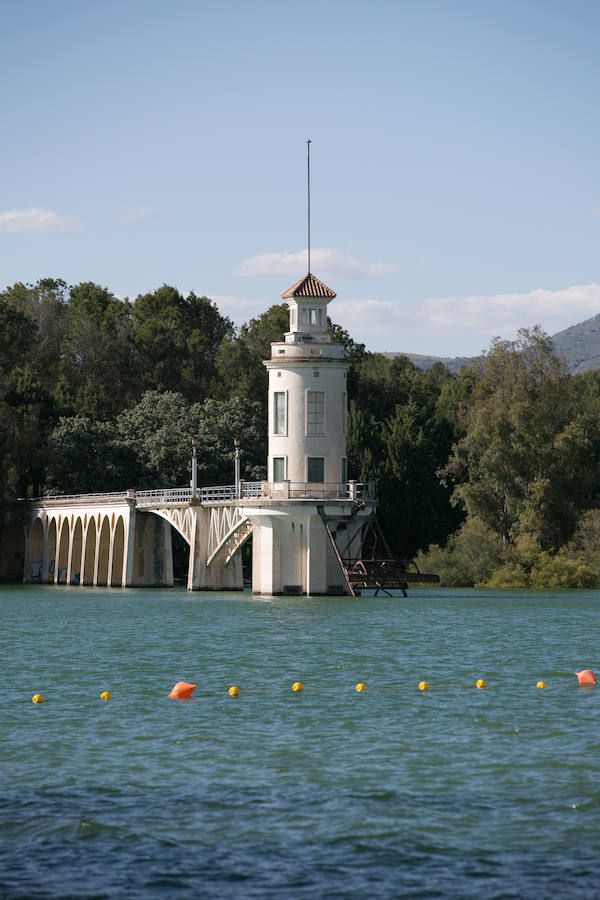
(578, 344)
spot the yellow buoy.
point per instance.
(297, 686)
(37, 698)
(541, 684)
(234, 691)
(361, 686)
(105, 695)
(480, 683)
(423, 686)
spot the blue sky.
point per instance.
(454, 157)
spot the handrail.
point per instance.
(107, 495)
(246, 490)
(163, 495)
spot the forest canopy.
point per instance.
(491, 475)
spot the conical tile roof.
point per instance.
(308, 286)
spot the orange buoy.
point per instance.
(183, 690)
(586, 676)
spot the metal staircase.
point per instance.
(232, 542)
(379, 571)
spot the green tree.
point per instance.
(160, 428)
(16, 337)
(85, 456)
(26, 410)
(177, 338)
(414, 504)
(470, 557)
(364, 444)
(400, 436)
(44, 304)
(241, 354)
(97, 350)
(522, 460)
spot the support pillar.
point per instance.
(217, 576)
(130, 548)
(197, 571)
(316, 556)
(265, 557)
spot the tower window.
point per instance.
(315, 412)
(279, 468)
(315, 469)
(279, 412)
(344, 470)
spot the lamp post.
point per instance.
(236, 466)
(194, 468)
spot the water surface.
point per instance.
(453, 792)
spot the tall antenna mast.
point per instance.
(308, 194)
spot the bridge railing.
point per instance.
(86, 498)
(246, 490)
(164, 495)
(255, 490)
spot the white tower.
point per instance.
(307, 522)
(308, 397)
(308, 515)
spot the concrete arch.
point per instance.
(62, 556)
(76, 553)
(152, 559)
(12, 554)
(144, 571)
(103, 552)
(118, 553)
(182, 520)
(50, 560)
(35, 552)
(88, 566)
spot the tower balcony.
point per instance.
(261, 490)
(305, 347)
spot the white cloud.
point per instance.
(463, 325)
(595, 211)
(240, 309)
(442, 326)
(133, 213)
(323, 262)
(34, 221)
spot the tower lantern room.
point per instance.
(307, 393)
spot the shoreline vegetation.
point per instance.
(489, 477)
(477, 557)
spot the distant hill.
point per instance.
(454, 363)
(579, 344)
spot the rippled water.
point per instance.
(453, 792)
